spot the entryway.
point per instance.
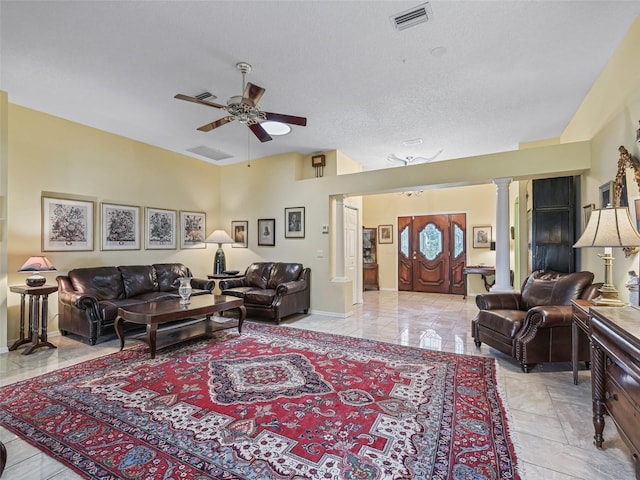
(432, 253)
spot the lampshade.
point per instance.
(37, 264)
(609, 227)
(219, 261)
(219, 237)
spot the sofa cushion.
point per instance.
(284, 272)
(554, 288)
(237, 291)
(260, 297)
(506, 322)
(257, 275)
(168, 273)
(104, 283)
(138, 279)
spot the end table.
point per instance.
(37, 310)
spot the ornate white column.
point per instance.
(503, 270)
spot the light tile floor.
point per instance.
(550, 416)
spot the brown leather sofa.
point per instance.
(272, 289)
(89, 298)
(534, 326)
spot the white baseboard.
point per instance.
(331, 314)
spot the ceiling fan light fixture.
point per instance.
(276, 128)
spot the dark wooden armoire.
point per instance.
(554, 224)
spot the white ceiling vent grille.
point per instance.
(412, 17)
(208, 152)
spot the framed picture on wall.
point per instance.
(385, 233)
(160, 228)
(67, 224)
(120, 227)
(192, 230)
(482, 236)
(240, 233)
(266, 232)
(294, 222)
(586, 211)
(606, 194)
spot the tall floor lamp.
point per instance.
(219, 262)
(609, 227)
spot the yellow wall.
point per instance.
(609, 117)
(48, 154)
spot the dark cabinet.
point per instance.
(369, 260)
(553, 224)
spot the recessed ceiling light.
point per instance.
(276, 128)
(438, 51)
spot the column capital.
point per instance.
(505, 180)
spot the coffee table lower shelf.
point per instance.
(168, 322)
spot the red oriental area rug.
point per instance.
(273, 403)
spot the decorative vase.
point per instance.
(185, 290)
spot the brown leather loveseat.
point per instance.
(272, 289)
(89, 298)
(534, 326)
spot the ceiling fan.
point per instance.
(409, 160)
(245, 109)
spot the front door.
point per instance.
(431, 253)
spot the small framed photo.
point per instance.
(385, 233)
(67, 225)
(586, 212)
(160, 228)
(266, 232)
(294, 222)
(482, 236)
(606, 194)
(192, 230)
(120, 227)
(240, 233)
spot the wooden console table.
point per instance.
(37, 333)
(615, 374)
(484, 272)
(579, 325)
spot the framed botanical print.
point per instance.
(482, 236)
(267, 232)
(120, 227)
(192, 230)
(67, 225)
(294, 222)
(240, 233)
(160, 228)
(385, 233)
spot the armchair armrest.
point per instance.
(231, 283)
(291, 287)
(499, 301)
(549, 316)
(203, 284)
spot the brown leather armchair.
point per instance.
(534, 326)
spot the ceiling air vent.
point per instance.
(206, 96)
(412, 17)
(208, 152)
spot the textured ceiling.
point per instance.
(478, 77)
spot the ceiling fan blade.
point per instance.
(218, 123)
(260, 132)
(292, 119)
(253, 93)
(197, 100)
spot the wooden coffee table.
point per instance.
(201, 308)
